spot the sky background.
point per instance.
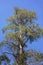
(6, 10)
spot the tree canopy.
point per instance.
(21, 28)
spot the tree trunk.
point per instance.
(21, 51)
(20, 44)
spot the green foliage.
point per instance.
(4, 58)
(38, 56)
(21, 23)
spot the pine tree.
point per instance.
(21, 29)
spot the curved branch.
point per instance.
(10, 53)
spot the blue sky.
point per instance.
(6, 10)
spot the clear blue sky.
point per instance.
(6, 10)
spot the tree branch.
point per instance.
(10, 53)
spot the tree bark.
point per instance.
(21, 51)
